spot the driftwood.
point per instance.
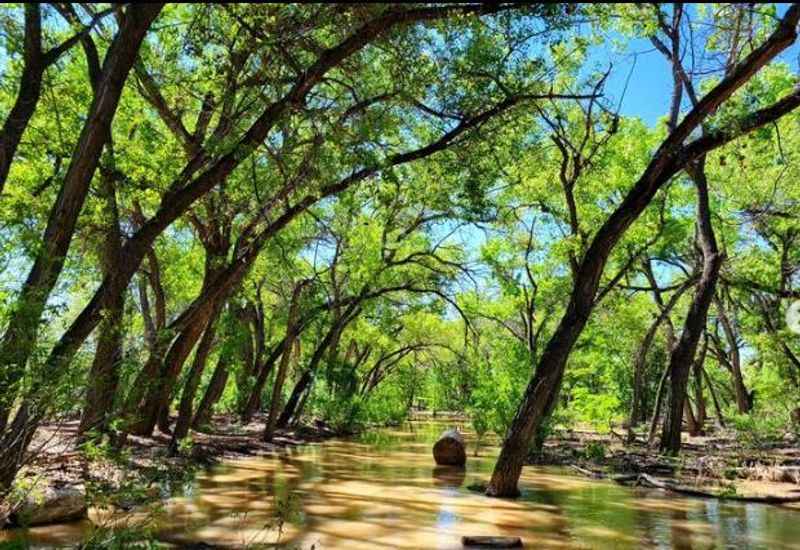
(491, 542)
(449, 449)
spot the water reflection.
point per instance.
(383, 490)
(449, 476)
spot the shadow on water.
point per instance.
(382, 490)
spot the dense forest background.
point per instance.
(347, 212)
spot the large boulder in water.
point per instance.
(51, 504)
(449, 449)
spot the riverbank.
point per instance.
(383, 489)
(715, 465)
(63, 477)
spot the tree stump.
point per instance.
(449, 449)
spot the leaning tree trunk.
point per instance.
(214, 391)
(292, 404)
(682, 356)
(21, 333)
(103, 382)
(155, 406)
(303, 385)
(145, 415)
(30, 90)
(184, 420)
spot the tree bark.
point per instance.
(641, 358)
(20, 336)
(699, 398)
(541, 391)
(104, 375)
(280, 374)
(717, 408)
(30, 90)
(214, 391)
(183, 423)
(742, 397)
(682, 357)
(303, 385)
(254, 400)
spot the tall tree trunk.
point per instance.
(742, 397)
(682, 357)
(103, 379)
(20, 336)
(280, 374)
(213, 393)
(641, 357)
(254, 400)
(717, 408)
(666, 161)
(697, 369)
(193, 378)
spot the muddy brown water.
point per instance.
(383, 490)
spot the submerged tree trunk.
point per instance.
(682, 357)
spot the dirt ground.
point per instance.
(714, 465)
(143, 468)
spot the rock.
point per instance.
(491, 542)
(51, 504)
(449, 449)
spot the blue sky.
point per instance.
(647, 74)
